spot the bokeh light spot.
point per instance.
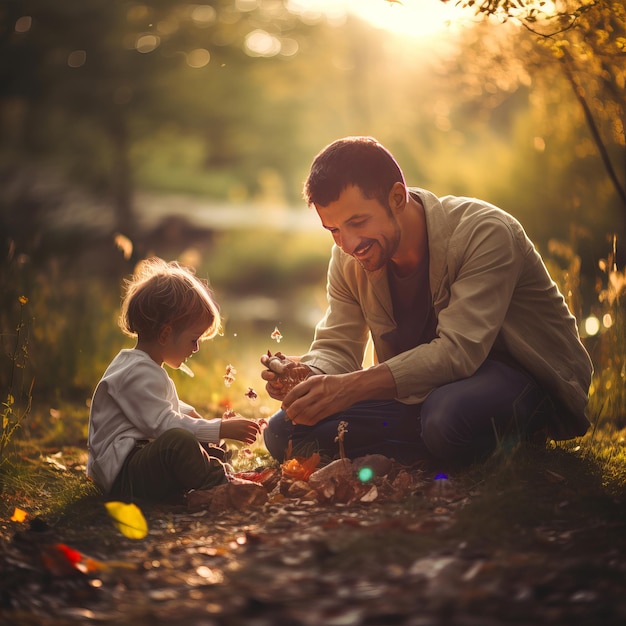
(77, 58)
(260, 43)
(23, 24)
(288, 47)
(147, 43)
(365, 474)
(592, 325)
(203, 15)
(198, 57)
(246, 5)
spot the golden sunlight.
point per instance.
(415, 18)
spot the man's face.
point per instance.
(362, 227)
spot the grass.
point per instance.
(516, 492)
(44, 485)
(566, 483)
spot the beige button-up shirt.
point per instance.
(490, 290)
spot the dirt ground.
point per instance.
(442, 552)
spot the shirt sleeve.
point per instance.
(185, 408)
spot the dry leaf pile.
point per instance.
(366, 479)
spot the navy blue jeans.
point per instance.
(458, 423)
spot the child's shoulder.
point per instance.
(128, 360)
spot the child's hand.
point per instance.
(239, 428)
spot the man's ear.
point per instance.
(164, 333)
(398, 197)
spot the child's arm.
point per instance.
(239, 428)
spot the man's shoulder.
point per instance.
(461, 206)
(458, 213)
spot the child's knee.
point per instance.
(180, 440)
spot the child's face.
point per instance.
(181, 345)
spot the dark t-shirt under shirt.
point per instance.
(412, 308)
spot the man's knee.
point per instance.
(435, 436)
(443, 434)
(276, 435)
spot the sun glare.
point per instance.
(415, 18)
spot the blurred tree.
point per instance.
(588, 38)
(88, 79)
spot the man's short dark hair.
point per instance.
(359, 161)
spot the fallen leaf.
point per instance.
(60, 560)
(52, 461)
(19, 515)
(300, 468)
(128, 519)
(371, 495)
(227, 497)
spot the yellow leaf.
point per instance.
(19, 515)
(124, 244)
(128, 519)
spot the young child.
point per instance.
(144, 443)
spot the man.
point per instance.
(474, 344)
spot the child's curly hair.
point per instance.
(162, 293)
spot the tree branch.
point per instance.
(567, 63)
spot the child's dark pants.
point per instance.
(165, 469)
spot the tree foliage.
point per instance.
(88, 79)
(588, 39)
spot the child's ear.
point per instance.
(164, 333)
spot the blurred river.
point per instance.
(298, 308)
(152, 208)
(78, 209)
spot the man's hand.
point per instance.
(239, 428)
(316, 398)
(282, 374)
(320, 396)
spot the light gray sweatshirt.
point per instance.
(135, 399)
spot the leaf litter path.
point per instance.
(296, 562)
